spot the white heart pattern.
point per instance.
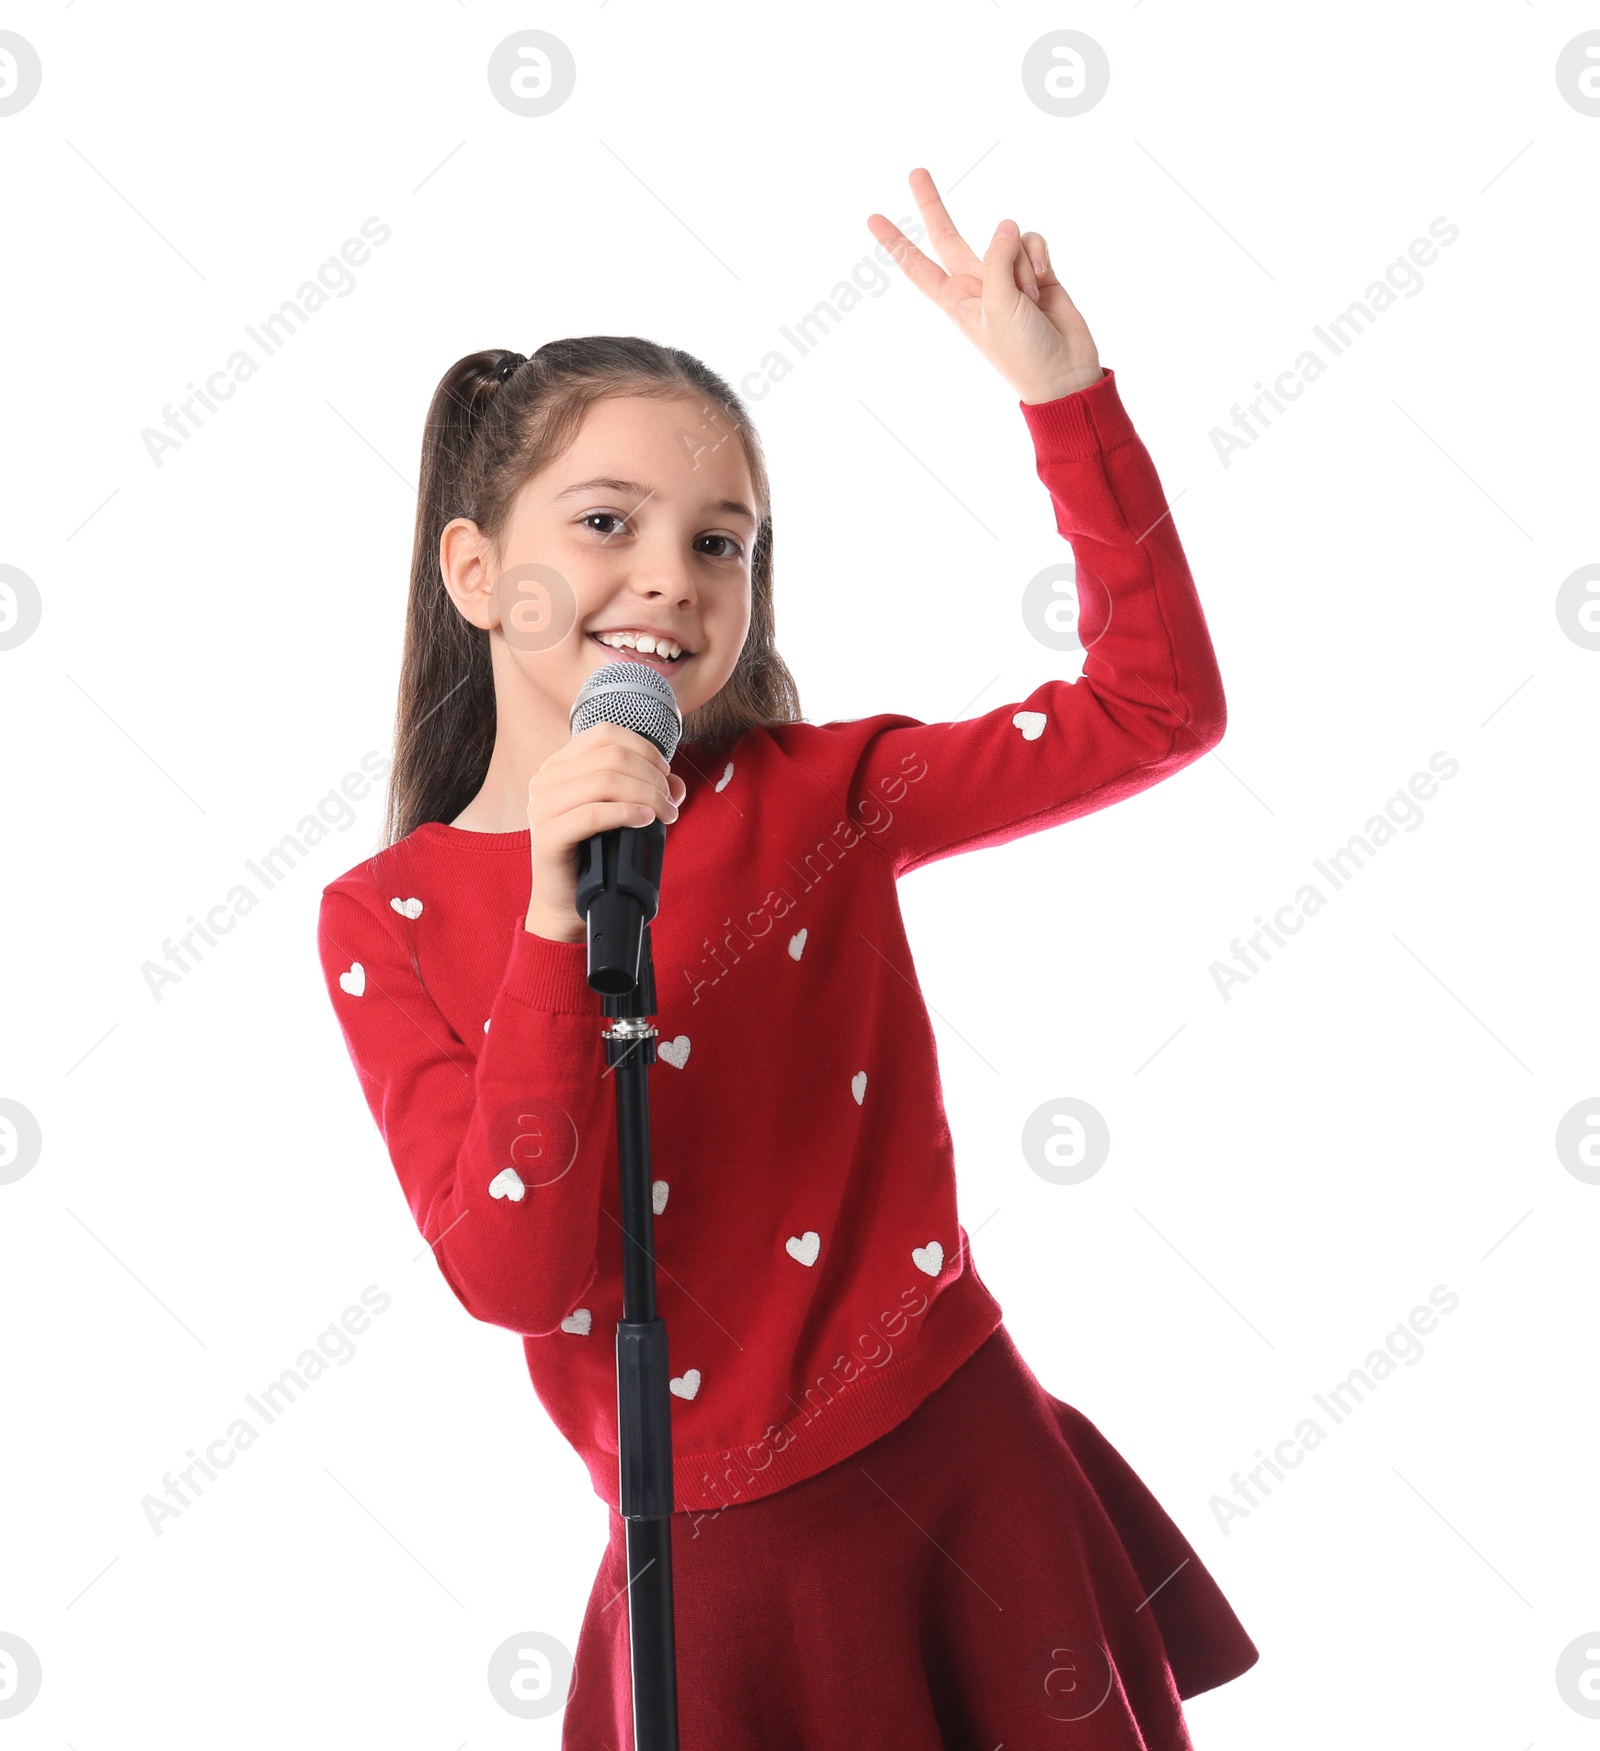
(797, 944)
(507, 1184)
(929, 1258)
(727, 774)
(676, 1052)
(687, 1384)
(407, 908)
(658, 1195)
(355, 981)
(1031, 723)
(858, 1086)
(486, 1024)
(578, 1321)
(804, 1247)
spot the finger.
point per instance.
(620, 790)
(950, 245)
(1038, 250)
(1026, 282)
(925, 275)
(609, 735)
(583, 823)
(1000, 268)
(645, 762)
(614, 764)
(1039, 259)
(641, 745)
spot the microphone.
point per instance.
(619, 870)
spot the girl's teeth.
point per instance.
(643, 642)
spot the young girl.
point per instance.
(887, 1535)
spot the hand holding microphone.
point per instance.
(608, 776)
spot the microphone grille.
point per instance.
(633, 695)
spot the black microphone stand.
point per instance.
(619, 885)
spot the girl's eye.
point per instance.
(614, 517)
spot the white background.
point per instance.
(1291, 1169)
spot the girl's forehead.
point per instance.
(677, 451)
(698, 427)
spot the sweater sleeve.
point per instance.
(1148, 702)
(501, 1160)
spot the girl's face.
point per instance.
(645, 523)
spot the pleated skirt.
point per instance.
(990, 1573)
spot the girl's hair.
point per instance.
(496, 419)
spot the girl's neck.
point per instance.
(501, 805)
(529, 728)
(497, 808)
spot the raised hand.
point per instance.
(1008, 302)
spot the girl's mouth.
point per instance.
(662, 665)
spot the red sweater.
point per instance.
(814, 1277)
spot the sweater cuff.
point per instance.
(1082, 424)
(549, 975)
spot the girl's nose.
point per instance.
(666, 584)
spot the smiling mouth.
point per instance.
(665, 665)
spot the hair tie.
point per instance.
(510, 365)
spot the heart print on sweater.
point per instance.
(929, 1258)
(804, 1247)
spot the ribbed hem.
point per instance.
(549, 975)
(957, 1323)
(1081, 424)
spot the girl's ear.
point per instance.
(466, 565)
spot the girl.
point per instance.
(887, 1535)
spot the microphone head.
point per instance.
(634, 695)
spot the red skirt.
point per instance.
(990, 1572)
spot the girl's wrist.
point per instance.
(555, 930)
(1062, 386)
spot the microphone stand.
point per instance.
(618, 894)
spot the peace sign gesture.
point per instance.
(1008, 302)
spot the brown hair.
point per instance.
(494, 420)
